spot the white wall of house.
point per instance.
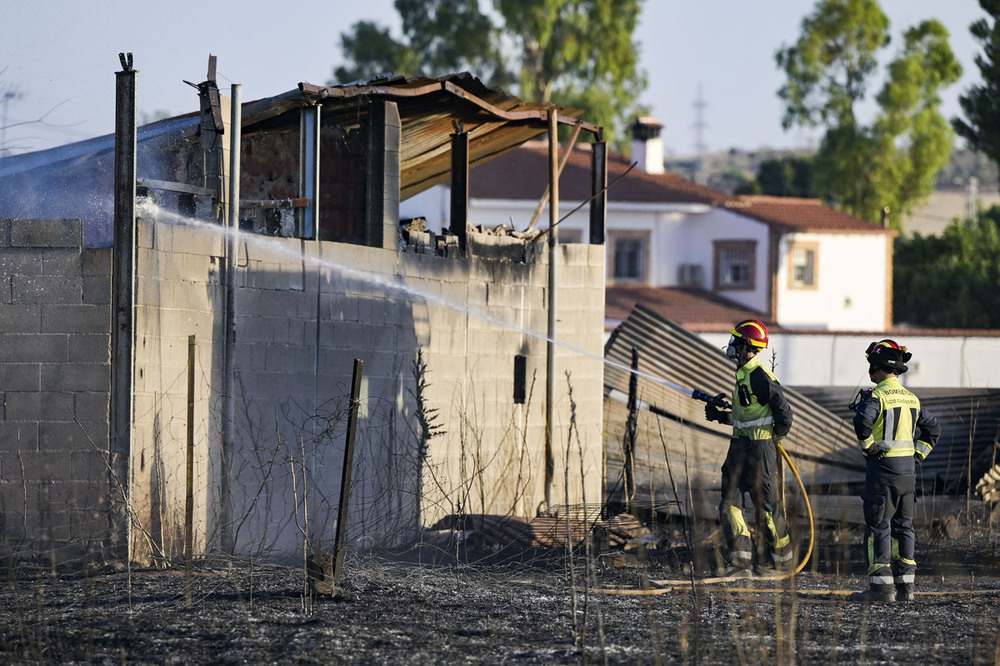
(675, 235)
(850, 290)
(681, 244)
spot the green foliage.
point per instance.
(579, 53)
(981, 104)
(829, 67)
(952, 280)
(789, 176)
(374, 51)
(732, 180)
(891, 163)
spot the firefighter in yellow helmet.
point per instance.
(760, 416)
(894, 433)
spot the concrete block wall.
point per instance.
(305, 311)
(179, 294)
(493, 453)
(55, 386)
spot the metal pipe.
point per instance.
(309, 135)
(550, 346)
(229, 346)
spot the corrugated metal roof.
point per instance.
(820, 443)
(429, 110)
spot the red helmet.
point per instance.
(888, 355)
(752, 332)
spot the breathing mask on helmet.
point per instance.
(735, 344)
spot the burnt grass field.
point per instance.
(508, 608)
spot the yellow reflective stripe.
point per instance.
(923, 448)
(740, 527)
(866, 443)
(778, 542)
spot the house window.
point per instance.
(735, 264)
(628, 264)
(802, 266)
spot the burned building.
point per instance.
(180, 366)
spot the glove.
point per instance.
(876, 452)
(862, 396)
(917, 458)
(713, 413)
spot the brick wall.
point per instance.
(54, 383)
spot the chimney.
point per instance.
(647, 146)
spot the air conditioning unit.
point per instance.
(691, 275)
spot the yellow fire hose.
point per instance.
(663, 586)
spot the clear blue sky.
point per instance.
(59, 58)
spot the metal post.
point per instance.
(550, 346)
(460, 185)
(598, 188)
(123, 314)
(309, 133)
(229, 346)
(345, 476)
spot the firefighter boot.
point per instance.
(875, 594)
(904, 592)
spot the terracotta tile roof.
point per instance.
(696, 310)
(523, 173)
(796, 214)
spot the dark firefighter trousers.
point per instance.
(889, 509)
(752, 467)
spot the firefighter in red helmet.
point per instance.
(760, 416)
(894, 433)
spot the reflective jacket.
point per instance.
(760, 410)
(890, 420)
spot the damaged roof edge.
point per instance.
(447, 85)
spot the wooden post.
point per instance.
(345, 476)
(189, 475)
(630, 431)
(123, 314)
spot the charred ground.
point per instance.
(508, 608)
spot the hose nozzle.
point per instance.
(717, 400)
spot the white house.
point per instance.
(821, 279)
(795, 262)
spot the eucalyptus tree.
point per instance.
(579, 53)
(981, 103)
(891, 161)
